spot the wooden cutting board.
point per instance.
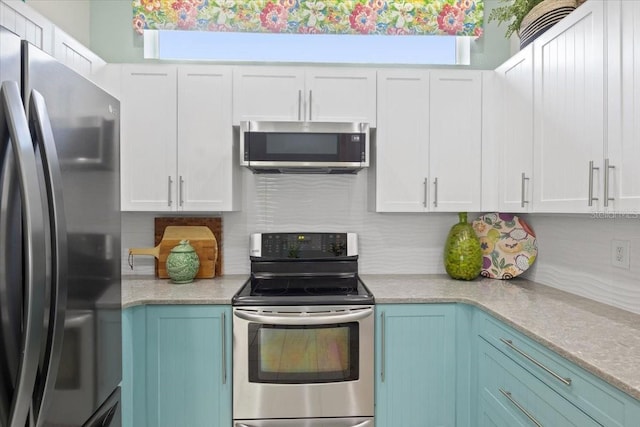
(214, 224)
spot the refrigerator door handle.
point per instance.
(106, 412)
(45, 143)
(14, 127)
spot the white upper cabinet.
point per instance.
(401, 165)
(570, 113)
(148, 137)
(621, 189)
(177, 145)
(31, 26)
(208, 171)
(428, 145)
(301, 93)
(268, 93)
(515, 131)
(75, 55)
(455, 140)
(336, 94)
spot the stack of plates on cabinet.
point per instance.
(542, 17)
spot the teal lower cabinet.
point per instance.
(520, 381)
(511, 396)
(177, 366)
(415, 365)
(436, 365)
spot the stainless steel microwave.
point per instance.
(304, 147)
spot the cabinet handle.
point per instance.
(382, 344)
(508, 395)
(426, 187)
(607, 170)
(565, 381)
(591, 169)
(523, 201)
(180, 191)
(310, 103)
(300, 104)
(223, 321)
(169, 183)
(435, 192)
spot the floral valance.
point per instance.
(399, 17)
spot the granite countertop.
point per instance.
(140, 290)
(601, 339)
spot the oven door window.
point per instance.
(287, 354)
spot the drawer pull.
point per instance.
(507, 394)
(565, 381)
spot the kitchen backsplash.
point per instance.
(575, 256)
(389, 243)
(574, 250)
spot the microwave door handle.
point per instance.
(14, 126)
(303, 318)
(44, 140)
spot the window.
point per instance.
(306, 48)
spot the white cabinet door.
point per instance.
(30, 25)
(515, 131)
(75, 55)
(400, 167)
(300, 93)
(455, 140)
(336, 94)
(205, 140)
(623, 147)
(569, 112)
(268, 93)
(148, 137)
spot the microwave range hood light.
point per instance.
(304, 147)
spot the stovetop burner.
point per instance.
(301, 285)
(322, 290)
(314, 275)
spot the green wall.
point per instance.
(113, 38)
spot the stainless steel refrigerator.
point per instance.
(60, 305)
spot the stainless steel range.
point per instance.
(303, 331)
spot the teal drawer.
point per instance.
(518, 397)
(603, 402)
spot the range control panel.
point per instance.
(303, 245)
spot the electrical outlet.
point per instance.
(620, 253)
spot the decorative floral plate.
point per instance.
(508, 245)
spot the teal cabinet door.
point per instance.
(415, 365)
(176, 366)
(133, 384)
(188, 358)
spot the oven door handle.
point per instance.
(303, 318)
(366, 423)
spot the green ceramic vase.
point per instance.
(462, 253)
(183, 263)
